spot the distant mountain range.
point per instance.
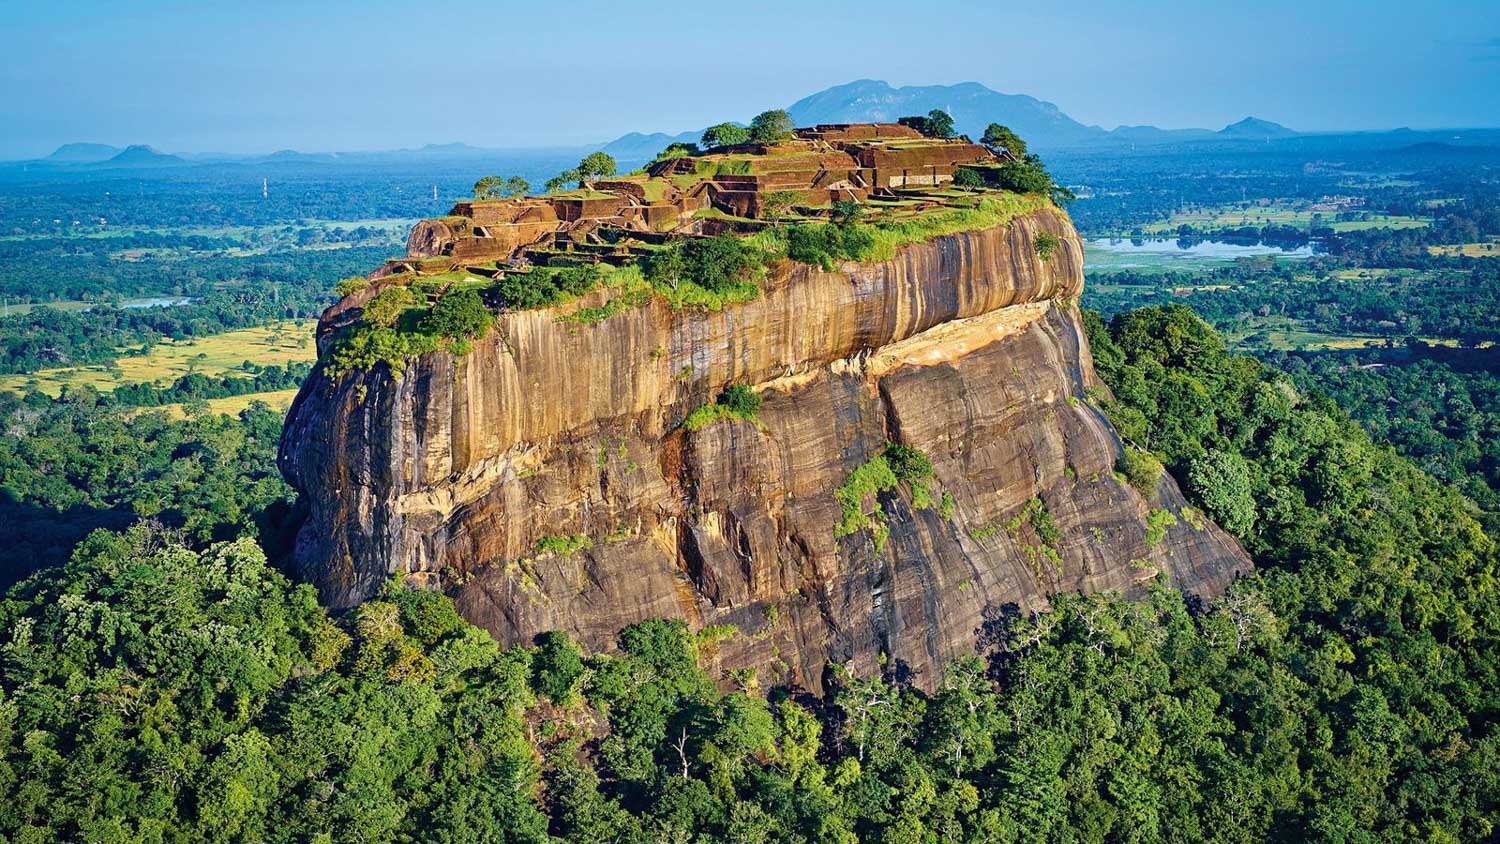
(140, 156)
(83, 153)
(972, 105)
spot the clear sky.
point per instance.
(330, 75)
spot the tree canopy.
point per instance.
(998, 137)
(1347, 690)
(724, 135)
(935, 124)
(771, 126)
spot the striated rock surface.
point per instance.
(968, 347)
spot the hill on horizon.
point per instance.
(83, 153)
(973, 106)
(141, 155)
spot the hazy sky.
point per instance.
(266, 75)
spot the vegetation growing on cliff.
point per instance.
(896, 465)
(394, 327)
(707, 273)
(737, 401)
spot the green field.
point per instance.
(1487, 249)
(1299, 214)
(286, 342)
(280, 400)
(1283, 334)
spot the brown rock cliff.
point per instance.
(968, 347)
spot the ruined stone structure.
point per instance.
(820, 165)
(462, 473)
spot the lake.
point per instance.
(1160, 253)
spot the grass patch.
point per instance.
(1157, 523)
(280, 400)
(1036, 514)
(563, 546)
(167, 361)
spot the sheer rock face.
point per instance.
(967, 347)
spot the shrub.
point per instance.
(563, 546)
(813, 244)
(677, 151)
(967, 177)
(896, 465)
(1141, 469)
(737, 401)
(460, 314)
(352, 284)
(387, 306)
(846, 211)
(1046, 245)
(707, 272)
(741, 400)
(908, 464)
(366, 345)
(824, 244)
(1157, 523)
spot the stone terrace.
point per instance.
(884, 165)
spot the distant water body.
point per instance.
(159, 302)
(1161, 253)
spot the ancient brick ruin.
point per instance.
(888, 166)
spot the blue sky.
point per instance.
(266, 75)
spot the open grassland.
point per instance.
(1280, 215)
(1487, 249)
(278, 400)
(279, 344)
(1373, 274)
(1283, 334)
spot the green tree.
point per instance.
(489, 187)
(561, 180)
(387, 306)
(935, 124)
(557, 667)
(774, 205)
(998, 137)
(595, 165)
(1221, 481)
(677, 150)
(459, 314)
(724, 135)
(770, 127)
(940, 124)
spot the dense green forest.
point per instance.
(1444, 416)
(83, 461)
(1462, 304)
(156, 689)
